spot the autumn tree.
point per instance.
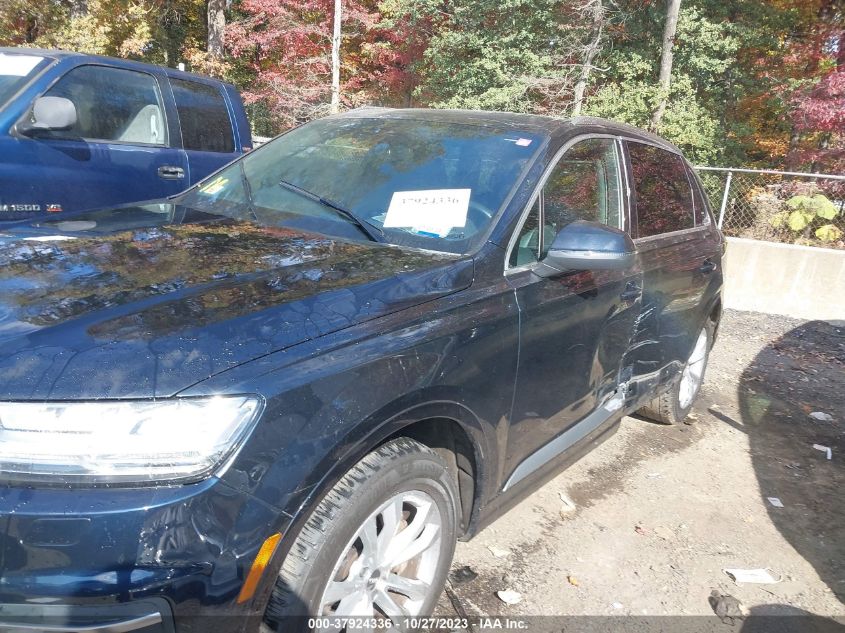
(817, 105)
(750, 82)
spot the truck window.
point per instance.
(113, 104)
(206, 125)
(664, 196)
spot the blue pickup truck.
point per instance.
(80, 131)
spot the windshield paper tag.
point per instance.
(215, 186)
(18, 65)
(435, 211)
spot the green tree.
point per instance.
(517, 55)
(711, 70)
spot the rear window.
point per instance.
(206, 126)
(663, 194)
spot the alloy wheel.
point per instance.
(388, 567)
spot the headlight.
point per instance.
(122, 441)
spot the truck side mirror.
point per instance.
(51, 113)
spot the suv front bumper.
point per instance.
(160, 559)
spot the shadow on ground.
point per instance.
(783, 618)
(800, 373)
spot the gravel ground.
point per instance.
(660, 511)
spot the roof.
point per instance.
(527, 122)
(125, 63)
(43, 52)
(512, 120)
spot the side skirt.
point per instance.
(565, 440)
(506, 500)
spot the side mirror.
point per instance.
(584, 245)
(51, 113)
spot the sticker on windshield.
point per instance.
(520, 142)
(18, 65)
(215, 186)
(429, 211)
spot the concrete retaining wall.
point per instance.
(799, 281)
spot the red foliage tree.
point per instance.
(284, 48)
(818, 108)
(286, 45)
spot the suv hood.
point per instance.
(150, 311)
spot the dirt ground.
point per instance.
(661, 511)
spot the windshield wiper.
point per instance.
(248, 191)
(370, 230)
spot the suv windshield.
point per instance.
(15, 71)
(419, 183)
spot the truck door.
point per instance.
(208, 135)
(118, 151)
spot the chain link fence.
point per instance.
(790, 207)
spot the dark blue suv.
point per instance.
(276, 400)
(81, 132)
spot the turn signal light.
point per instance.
(262, 559)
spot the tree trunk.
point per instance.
(216, 27)
(338, 16)
(665, 81)
(31, 30)
(597, 10)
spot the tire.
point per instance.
(671, 407)
(396, 484)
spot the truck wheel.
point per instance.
(673, 406)
(379, 544)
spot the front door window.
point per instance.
(112, 105)
(584, 185)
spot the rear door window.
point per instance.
(662, 189)
(702, 218)
(113, 105)
(206, 125)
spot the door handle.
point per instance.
(707, 267)
(171, 172)
(632, 292)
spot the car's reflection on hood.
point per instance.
(148, 300)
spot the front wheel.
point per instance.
(379, 544)
(673, 406)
